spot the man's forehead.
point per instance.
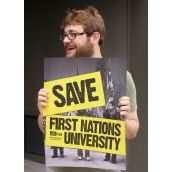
(74, 28)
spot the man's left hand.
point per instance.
(124, 104)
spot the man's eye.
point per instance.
(72, 34)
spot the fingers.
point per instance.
(43, 92)
(124, 110)
(124, 101)
(124, 104)
(42, 104)
(42, 99)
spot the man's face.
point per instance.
(80, 46)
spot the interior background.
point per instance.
(126, 36)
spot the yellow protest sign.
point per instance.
(89, 133)
(74, 93)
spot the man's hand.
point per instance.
(131, 119)
(42, 99)
(42, 103)
(124, 104)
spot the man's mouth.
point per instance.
(70, 48)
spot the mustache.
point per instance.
(69, 45)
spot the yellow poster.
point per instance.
(74, 93)
(89, 133)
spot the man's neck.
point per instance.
(97, 53)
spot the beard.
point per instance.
(85, 50)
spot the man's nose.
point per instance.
(66, 40)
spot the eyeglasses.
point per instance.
(71, 35)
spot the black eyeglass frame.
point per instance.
(72, 34)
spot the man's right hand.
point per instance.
(42, 99)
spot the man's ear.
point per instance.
(95, 38)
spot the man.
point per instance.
(55, 152)
(111, 96)
(110, 113)
(84, 32)
(80, 151)
(82, 113)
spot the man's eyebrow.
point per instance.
(70, 31)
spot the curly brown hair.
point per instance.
(89, 17)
